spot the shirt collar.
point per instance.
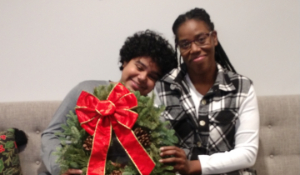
(223, 81)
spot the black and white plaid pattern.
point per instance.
(213, 128)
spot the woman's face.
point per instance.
(140, 74)
(197, 46)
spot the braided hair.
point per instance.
(201, 15)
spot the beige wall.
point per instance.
(47, 47)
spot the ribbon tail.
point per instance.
(134, 149)
(101, 142)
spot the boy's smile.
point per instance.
(140, 74)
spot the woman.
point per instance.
(212, 108)
(145, 57)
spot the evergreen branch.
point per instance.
(72, 155)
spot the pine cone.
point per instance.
(116, 172)
(143, 136)
(88, 143)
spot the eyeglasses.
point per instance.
(201, 41)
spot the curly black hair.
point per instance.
(150, 44)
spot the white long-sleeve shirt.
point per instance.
(246, 137)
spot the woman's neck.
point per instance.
(203, 81)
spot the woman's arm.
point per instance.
(242, 156)
(246, 142)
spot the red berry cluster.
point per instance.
(3, 137)
(1, 148)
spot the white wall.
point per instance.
(47, 47)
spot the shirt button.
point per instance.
(271, 156)
(202, 123)
(173, 86)
(37, 162)
(199, 144)
(37, 131)
(203, 102)
(270, 126)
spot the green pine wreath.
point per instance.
(72, 155)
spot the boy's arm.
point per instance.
(50, 141)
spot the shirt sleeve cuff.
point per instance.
(203, 159)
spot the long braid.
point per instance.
(222, 58)
(202, 15)
(178, 57)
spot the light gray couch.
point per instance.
(279, 151)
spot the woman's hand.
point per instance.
(72, 171)
(182, 165)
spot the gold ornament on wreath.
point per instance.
(88, 143)
(116, 172)
(143, 136)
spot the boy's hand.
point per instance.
(72, 171)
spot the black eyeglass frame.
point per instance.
(196, 41)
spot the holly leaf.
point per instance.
(15, 160)
(9, 144)
(1, 165)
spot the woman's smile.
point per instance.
(199, 58)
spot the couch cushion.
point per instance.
(279, 147)
(32, 118)
(279, 151)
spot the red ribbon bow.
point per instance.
(98, 118)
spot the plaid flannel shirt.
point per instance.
(213, 129)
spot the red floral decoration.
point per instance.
(1, 148)
(3, 137)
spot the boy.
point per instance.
(145, 57)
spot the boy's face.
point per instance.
(140, 74)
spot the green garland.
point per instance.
(72, 155)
